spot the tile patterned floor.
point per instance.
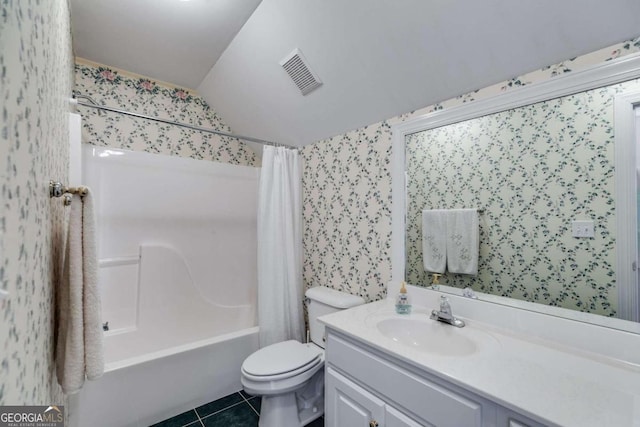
(235, 410)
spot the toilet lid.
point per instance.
(281, 358)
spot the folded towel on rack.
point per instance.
(434, 243)
(93, 332)
(463, 241)
(79, 347)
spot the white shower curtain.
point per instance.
(280, 315)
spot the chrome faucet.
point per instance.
(445, 314)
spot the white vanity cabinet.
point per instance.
(352, 405)
(367, 388)
(507, 418)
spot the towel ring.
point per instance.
(57, 189)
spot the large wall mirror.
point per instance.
(533, 161)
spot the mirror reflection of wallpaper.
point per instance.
(533, 170)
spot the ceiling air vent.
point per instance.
(296, 66)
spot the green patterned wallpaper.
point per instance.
(533, 170)
(347, 189)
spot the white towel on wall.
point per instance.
(434, 240)
(463, 241)
(79, 347)
(93, 333)
(70, 344)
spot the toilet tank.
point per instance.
(323, 300)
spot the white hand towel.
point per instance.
(93, 333)
(463, 241)
(79, 350)
(70, 344)
(434, 243)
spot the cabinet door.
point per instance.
(349, 405)
(427, 397)
(396, 418)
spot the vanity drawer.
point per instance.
(507, 418)
(427, 399)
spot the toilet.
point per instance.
(290, 375)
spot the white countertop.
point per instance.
(542, 379)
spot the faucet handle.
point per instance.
(445, 314)
(468, 292)
(445, 307)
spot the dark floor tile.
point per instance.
(318, 422)
(240, 415)
(256, 403)
(218, 405)
(246, 395)
(179, 420)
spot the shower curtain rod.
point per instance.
(94, 104)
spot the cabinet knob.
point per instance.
(373, 423)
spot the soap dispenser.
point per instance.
(403, 305)
(435, 284)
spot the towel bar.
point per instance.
(57, 189)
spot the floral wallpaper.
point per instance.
(533, 170)
(347, 212)
(35, 84)
(139, 94)
(343, 173)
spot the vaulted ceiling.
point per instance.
(175, 41)
(376, 58)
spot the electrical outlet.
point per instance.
(583, 228)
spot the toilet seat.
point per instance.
(282, 360)
(289, 376)
(284, 375)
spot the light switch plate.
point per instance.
(583, 228)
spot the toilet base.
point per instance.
(297, 408)
(278, 411)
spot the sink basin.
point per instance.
(430, 336)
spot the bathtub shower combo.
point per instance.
(177, 271)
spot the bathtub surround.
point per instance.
(177, 266)
(280, 312)
(196, 260)
(35, 84)
(347, 194)
(120, 89)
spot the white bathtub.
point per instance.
(177, 271)
(184, 351)
(147, 389)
